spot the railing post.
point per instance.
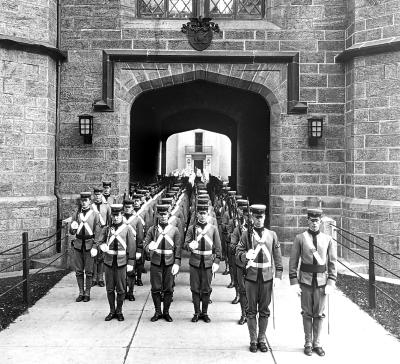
(25, 268)
(371, 271)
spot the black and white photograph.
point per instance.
(199, 181)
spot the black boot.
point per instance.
(86, 295)
(139, 278)
(243, 303)
(167, 304)
(237, 297)
(111, 302)
(120, 302)
(157, 306)
(196, 304)
(204, 307)
(226, 271)
(80, 281)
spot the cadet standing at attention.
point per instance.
(86, 225)
(202, 240)
(316, 252)
(260, 250)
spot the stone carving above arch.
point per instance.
(261, 72)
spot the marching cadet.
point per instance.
(132, 219)
(106, 191)
(202, 240)
(86, 225)
(240, 226)
(317, 277)
(259, 250)
(163, 245)
(104, 212)
(119, 249)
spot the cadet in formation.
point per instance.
(131, 218)
(203, 241)
(103, 210)
(87, 228)
(316, 278)
(163, 245)
(119, 247)
(259, 250)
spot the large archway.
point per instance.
(242, 115)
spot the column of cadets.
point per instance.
(203, 215)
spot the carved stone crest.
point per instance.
(200, 32)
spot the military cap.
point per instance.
(232, 192)
(314, 213)
(225, 183)
(106, 183)
(167, 200)
(128, 201)
(258, 209)
(202, 192)
(86, 194)
(241, 203)
(202, 202)
(174, 189)
(162, 209)
(227, 188)
(203, 195)
(170, 194)
(142, 191)
(202, 208)
(135, 196)
(116, 208)
(97, 190)
(238, 197)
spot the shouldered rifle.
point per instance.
(249, 226)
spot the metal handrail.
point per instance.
(7, 250)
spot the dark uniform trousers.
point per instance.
(162, 281)
(313, 300)
(98, 268)
(83, 262)
(258, 294)
(115, 282)
(232, 264)
(240, 279)
(200, 285)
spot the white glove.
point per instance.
(251, 254)
(104, 247)
(175, 269)
(329, 289)
(215, 267)
(277, 282)
(93, 252)
(296, 289)
(74, 225)
(138, 256)
(129, 268)
(194, 245)
(152, 245)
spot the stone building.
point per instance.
(273, 65)
(199, 149)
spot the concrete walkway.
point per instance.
(59, 330)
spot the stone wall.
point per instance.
(27, 126)
(371, 204)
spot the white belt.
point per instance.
(260, 265)
(116, 252)
(162, 251)
(203, 252)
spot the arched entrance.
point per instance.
(242, 115)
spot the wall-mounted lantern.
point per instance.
(86, 127)
(314, 130)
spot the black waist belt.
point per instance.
(312, 268)
(85, 237)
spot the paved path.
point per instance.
(58, 330)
